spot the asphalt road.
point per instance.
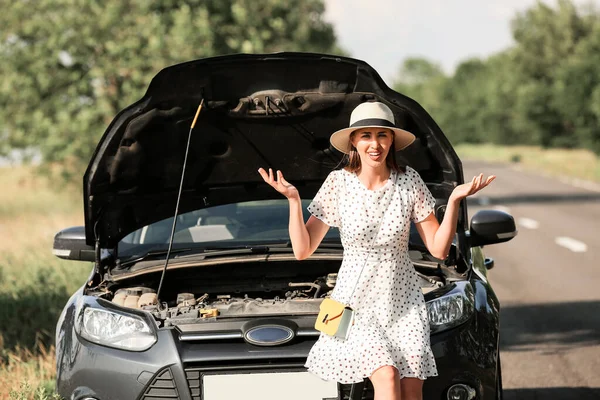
(548, 283)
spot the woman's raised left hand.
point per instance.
(467, 189)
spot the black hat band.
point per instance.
(372, 122)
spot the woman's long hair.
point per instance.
(351, 161)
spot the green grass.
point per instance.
(576, 163)
(28, 375)
(34, 285)
(42, 392)
(26, 193)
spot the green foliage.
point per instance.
(421, 79)
(33, 292)
(466, 91)
(576, 91)
(417, 71)
(68, 66)
(26, 392)
(545, 90)
(34, 284)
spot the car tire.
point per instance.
(499, 395)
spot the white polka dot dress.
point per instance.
(391, 324)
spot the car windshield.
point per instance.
(247, 223)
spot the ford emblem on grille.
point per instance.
(269, 335)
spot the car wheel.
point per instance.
(498, 378)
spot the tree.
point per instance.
(421, 80)
(576, 92)
(500, 117)
(68, 66)
(465, 103)
(547, 39)
(417, 71)
(544, 90)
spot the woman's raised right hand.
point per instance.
(281, 185)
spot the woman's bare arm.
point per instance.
(438, 237)
(305, 237)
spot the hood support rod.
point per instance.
(187, 149)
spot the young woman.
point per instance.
(372, 201)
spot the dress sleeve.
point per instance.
(423, 201)
(325, 203)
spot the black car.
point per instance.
(231, 312)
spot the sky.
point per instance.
(385, 32)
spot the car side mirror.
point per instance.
(69, 244)
(491, 226)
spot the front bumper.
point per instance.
(173, 369)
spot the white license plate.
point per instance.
(268, 386)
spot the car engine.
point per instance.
(302, 298)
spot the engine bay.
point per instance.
(234, 291)
(301, 298)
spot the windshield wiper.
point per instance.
(149, 255)
(227, 250)
(263, 249)
(254, 249)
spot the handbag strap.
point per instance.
(373, 240)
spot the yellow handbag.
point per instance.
(335, 318)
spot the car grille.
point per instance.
(193, 378)
(358, 391)
(161, 387)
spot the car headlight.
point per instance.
(109, 328)
(451, 310)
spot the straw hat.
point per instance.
(372, 114)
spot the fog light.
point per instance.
(461, 392)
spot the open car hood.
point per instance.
(275, 110)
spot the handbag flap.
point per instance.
(330, 316)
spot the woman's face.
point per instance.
(373, 145)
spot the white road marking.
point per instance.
(571, 244)
(502, 208)
(528, 223)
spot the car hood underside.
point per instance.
(274, 111)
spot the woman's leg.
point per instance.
(412, 388)
(386, 382)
